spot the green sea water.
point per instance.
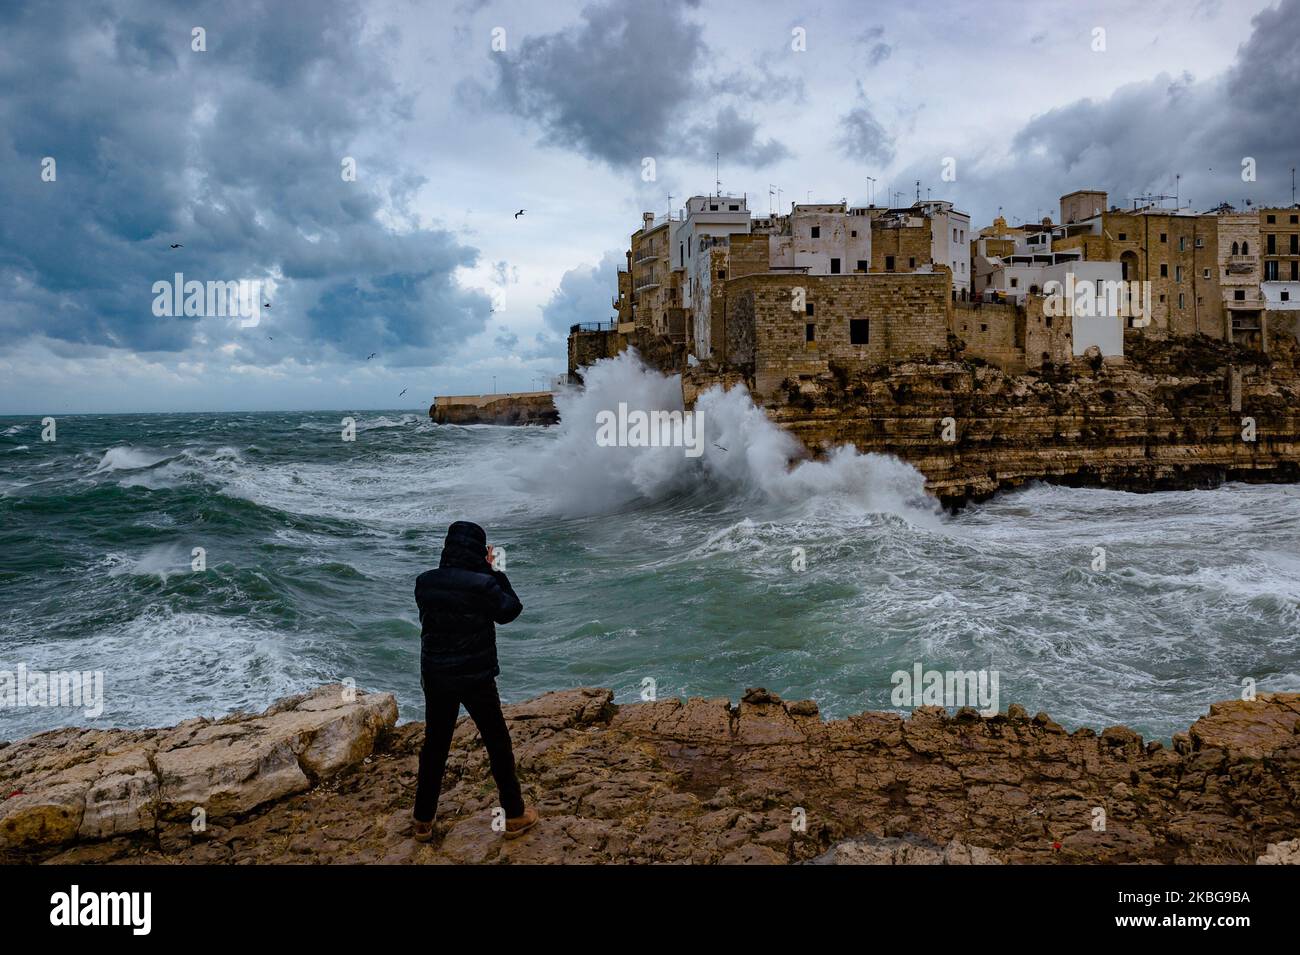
(633, 565)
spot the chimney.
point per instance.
(647, 220)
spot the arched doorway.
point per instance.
(1128, 265)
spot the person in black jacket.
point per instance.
(460, 604)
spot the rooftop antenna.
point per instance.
(670, 205)
(927, 193)
(1178, 179)
(771, 191)
(717, 172)
(872, 180)
(918, 190)
(1293, 185)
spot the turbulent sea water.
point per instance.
(631, 563)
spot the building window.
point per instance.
(1123, 237)
(1205, 273)
(1200, 300)
(911, 263)
(1286, 296)
(1047, 320)
(1245, 248)
(1239, 295)
(984, 327)
(1181, 301)
(734, 208)
(722, 273)
(1270, 271)
(835, 266)
(809, 332)
(859, 331)
(1182, 243)
(864, 265)
(1294, 275)
(1294, 247)
(1178, 273)
(1164, 270)
(1295, 219)
(816, 234)
(1234, 248)
(889, 263)
(1164, 236)
(954, 235)
(1162, 300)
(808, 308)
(1200, 242)
(1272, 245)
(1015, 283)
(1272, 219)
(853, 234)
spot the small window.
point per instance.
(853, 234)
(722, 273)
(810, 332)
(1200, 242)
(954, 235)
(816, 232)
(1164, 236)
(1164, 270)
(1047, 320)
(835, 266)
(1245, 248)
(911, 263)
(1123, 237)
(1181, 300)
(1162, 300)
(1239, 295)
(808, 308)
(1182, 243)
(1178, 273)
(889, 263)
(1015, 283)
(1272, 219)
(1200, 300)
(1286, 296)
(713, 207)
(1295, 219)
(734, 208)
(983, 327)
(1205, 273)
(864, 265)
(859, 331)
(1234, 248)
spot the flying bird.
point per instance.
(371, 355)
(404, 390)
(520, 212)
(177, 245)
(720, 447)
(266, 305)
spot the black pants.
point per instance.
(441, 707)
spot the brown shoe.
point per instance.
(424, 830)
(517, 826)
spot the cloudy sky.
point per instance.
(458, 114)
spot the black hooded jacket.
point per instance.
(460, 604)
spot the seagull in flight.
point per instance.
(719, 447)
(520, 212)
(177, 245)
(404, 390)
(371, 355)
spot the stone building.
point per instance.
(1239, 275)
(656, 290)
(1175, 250)
(784, 329)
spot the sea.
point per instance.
(205, 563)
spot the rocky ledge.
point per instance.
(328, 776)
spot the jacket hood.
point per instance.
(465, 547)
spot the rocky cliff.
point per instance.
(1177, 413)
(322, 777)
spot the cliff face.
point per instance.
(507, 410)
(318, 778)
(1169, 416)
